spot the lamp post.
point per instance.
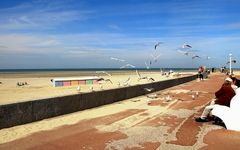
(230, 63)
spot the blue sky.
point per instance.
(87, 33)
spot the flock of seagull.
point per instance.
(154, 59)
(185, 49)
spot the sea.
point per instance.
(60, 72)
(94, 69)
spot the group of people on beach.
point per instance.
(22, 83)
(223, 97)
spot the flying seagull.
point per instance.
(184, 52)
(196, 56)
(104, 72)
(186, 46)
(233, 61)
(139, 76)
(157, 45)
(126, 83)
(148, 89)
(144, 77)
(208, 57)
(105, 80)
(150, 79)
(147, 66)
(128, 65)
(117, 59)
(155, 57)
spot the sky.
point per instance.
(38, 34)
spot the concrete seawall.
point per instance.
(26, 112)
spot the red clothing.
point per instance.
(224, 95)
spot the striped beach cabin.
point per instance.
(71, 81)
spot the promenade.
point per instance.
(132, 124)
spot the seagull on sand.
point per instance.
(168, 98)
(117, 59)
(91, 88)
(157, 45)
(104, 72)
(128, 65)
(78, 88)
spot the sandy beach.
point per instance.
(39, 85)
(132, 124)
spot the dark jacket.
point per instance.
(237, 83)
(224, 95)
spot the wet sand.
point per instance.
(132, 124)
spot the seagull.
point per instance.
(155, 57)
(78, 88)
(126, 83)
(197, 94)
(186, 46)
(148, 89)
(106, 80)
(158, 44)
(104, 72)
(150, 79)
(139, 76)
(196, 56)
(147, 66)
(168, 98)
(117, 59)
(233, 61)
(91, 88)
(208, 57)
(119, 84)
(193, 97)
(128, 65)
(186, 52)
(144, 77)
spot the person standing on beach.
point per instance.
(200, 72)
(223, 97)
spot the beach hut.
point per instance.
(74, 81)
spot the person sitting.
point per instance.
(222, 97)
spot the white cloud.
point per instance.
(39, 16)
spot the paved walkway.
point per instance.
(134, 124)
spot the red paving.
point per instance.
(159, 125)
